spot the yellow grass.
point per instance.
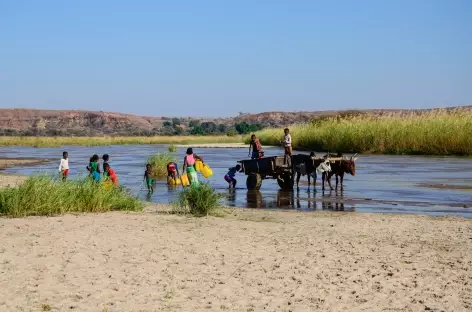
(97, 141)
(437, 132)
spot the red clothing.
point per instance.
(112, 176)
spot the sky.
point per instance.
(219, 58)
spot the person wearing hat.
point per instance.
(189, 166)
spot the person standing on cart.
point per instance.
(256, 148)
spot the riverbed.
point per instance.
(395, 184)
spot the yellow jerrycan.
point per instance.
(184, 180)
(206, 171)
(198, 165)
(172, 181)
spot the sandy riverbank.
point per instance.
(248, 261)
(11, 180)
(18, 162)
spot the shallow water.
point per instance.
(395, 184)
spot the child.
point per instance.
(229, 177)
(287, 142)
(172, 170)
(105, 159)
(256, 147)
(64, 166)
(109, 174)
(148, 178)
(94, 168)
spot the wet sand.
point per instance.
(18, 162)
(250, 260)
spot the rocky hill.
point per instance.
(86, 123)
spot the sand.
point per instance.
(250, 260)
(11, 180)
(17, 162)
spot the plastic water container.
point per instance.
(184, 180)
(198, 165)
(206, 171)
(172, 181)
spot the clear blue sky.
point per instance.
(217, 58)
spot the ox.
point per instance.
(309, 165)
(339, 168)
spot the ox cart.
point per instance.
(282, 168)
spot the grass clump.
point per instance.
(436, 132)
(200, 201)
(172, 148)
(159, 163)
(44, 196)
(114, 140)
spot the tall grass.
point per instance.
(199, 201)
(159, 163)
(437, 132)
(109, 140)
(44, 196)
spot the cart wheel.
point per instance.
(285, 182)
(253, 181)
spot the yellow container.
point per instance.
(206, 171)
(198, 165)
(184, 180)
(172, 181)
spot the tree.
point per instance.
(198, 130)
(167, 124)
(194, 123)
(222, 128)
(175, 122)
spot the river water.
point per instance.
(395, 184)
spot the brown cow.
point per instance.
(339, 168)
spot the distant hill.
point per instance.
(93, 123)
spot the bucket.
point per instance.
(198, 165)
(206, 171)
(184, 180)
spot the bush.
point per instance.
(199, 200)
(44, 196)
(159, 163)
(172, 148)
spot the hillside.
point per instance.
(87, 123)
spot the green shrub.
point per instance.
(44, 196)
(172, 148)
(199, 200)
(159, 163)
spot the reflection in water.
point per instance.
(254, 199)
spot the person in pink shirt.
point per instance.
(189, 166)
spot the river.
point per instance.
(395, 184)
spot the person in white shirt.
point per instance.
(64, 166)
(287, 142)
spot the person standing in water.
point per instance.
(256, 148)
(229, 177)
(148, 178)
(109, 174)
(64, 166)
(189, 166)
(94, 168)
